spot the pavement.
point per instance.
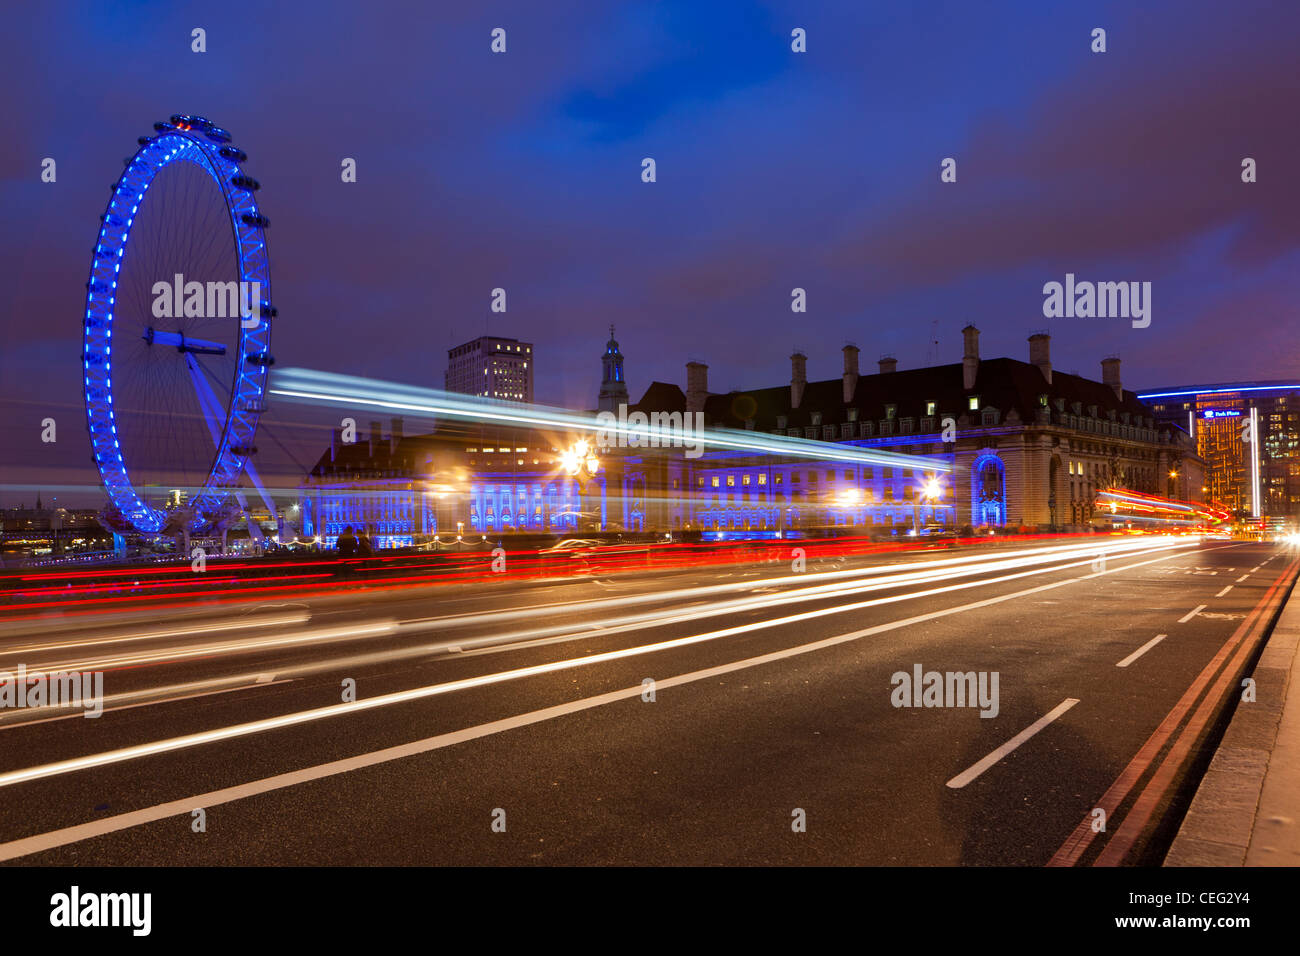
(1246, 809)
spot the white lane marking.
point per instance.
(1243, 577)
(966, 776)
(84, 831)
(1142, 650)
(1192, 613)
(1224, 591)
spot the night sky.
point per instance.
(775, 170)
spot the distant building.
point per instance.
(1028, 446)
(404, 490)
(1217, 418)
(492, 366)
(999, 443)
(40, 530)
(613, 386)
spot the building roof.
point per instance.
(1002, 383)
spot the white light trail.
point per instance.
(306, 385)
(421, 693)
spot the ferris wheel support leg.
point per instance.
(213, 415)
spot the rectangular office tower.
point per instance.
(1259, 477)
(492, 366)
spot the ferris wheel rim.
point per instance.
(193, 139)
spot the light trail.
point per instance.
(330, 388)
(230, 624)
(837, 582)
(138, 751)
(173, 653)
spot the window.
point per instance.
(762, 478)
(744, 480)
(929, 408)
(830, 476)
(731, 481)
(714, 481)
(974, 403)
(891, 411)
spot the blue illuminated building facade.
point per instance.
(403, 491)
(1001, 443)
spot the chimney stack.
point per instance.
(1110, 375)
(970, 361)
(396, 436)
(798, 377)
(1040, 354)
(336, 439)
(850, 372)
(375, 436)
(888, 364)
(697, 386)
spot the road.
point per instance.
(510, 722)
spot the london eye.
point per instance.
(177, 331)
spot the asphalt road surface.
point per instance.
(512, 723)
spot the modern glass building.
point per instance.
(1258, 478)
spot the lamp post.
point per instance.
(579, 462)
(931, 491)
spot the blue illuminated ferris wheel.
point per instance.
(177, 330)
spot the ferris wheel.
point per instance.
(176, 347)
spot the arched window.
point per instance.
(988, 491)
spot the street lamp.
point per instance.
(850, 499)
(931, 491)
(579, 461)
